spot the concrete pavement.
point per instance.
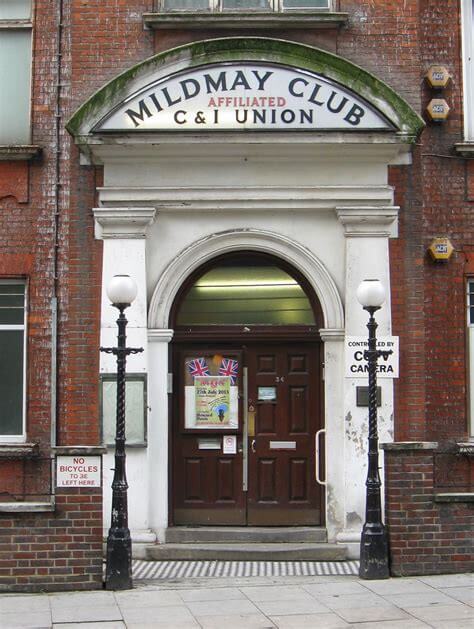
(322, 602)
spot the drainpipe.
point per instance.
(56, 215)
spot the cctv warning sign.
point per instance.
(357, 366)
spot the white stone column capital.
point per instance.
(369, 221)
(332, 334)
(122, 222)
(160, 335)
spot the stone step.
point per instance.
(247, 552)
(247, 534)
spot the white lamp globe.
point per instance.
(371, 293)
(121, 289)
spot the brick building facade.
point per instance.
(88, 190)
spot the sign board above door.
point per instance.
(243, 96)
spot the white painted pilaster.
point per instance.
(123, 231)
(158, 439)
(367, 231)
(334, 438)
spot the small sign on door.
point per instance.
(229, 444)
(267, 394)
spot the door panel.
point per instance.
(207, 484)
(282, 490)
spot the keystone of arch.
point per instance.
(382, 97)
(277, 245)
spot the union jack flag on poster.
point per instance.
(198, 367)
(229, 367)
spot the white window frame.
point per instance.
(470, 351)
(26, 25)
(20, 438)
(215, 6)
(467, 14)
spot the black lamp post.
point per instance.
(374, 558)
(121, 291)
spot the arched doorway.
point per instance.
(247, 395)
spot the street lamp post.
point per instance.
(121, 291)
(374, 558)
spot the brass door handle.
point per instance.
(252, 446)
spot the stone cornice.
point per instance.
(368, 222)
(247, 19)
(123, 222)
(247, 198)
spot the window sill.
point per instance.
(14, 152)
(465, 149)
(235, 20)
(27, 507)
(19, 450)
(467, 448)
(15, 24)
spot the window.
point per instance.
(468, 68)
(15, 71)
(12, 361)
(135, 408)
(238, 5)
(470, 341)
(252, 293)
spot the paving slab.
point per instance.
(91, 625)
(211, 594)
(335, 589)
(439, 613)
(290, 607)
(250, 621)
(149, 598)
(86, 613)
(452, 624)
(276, 593)
(421, 599)
(176, 615)
(448, 580)
(305, 621)
(25, 620)
(372, 614)
(352, 601)
(99, 598)
(183, 624)
(218, 608)
(462, 594)
(410, 623)
(397, 586)
(30, 602)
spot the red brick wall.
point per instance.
(54, 551)
(425, 536)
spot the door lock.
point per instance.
(252, 446)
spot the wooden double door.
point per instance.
(243, 437)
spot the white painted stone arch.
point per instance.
(275, 244)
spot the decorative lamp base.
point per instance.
(374, 553)
(118, 573)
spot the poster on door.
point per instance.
(210, 392)
(212, 397)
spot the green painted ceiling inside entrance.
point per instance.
(246, 295)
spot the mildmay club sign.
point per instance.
(246, 96)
